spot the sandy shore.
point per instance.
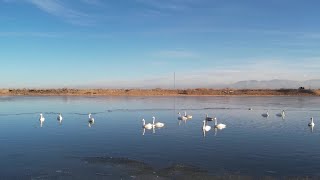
(158, 92)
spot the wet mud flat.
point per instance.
(105, 167)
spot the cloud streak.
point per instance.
(59, 9)
(164, 4)
(174, 54)
(31, 34)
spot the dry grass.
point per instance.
(158, 92)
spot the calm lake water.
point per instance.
(114, 146)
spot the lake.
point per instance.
(116, 146)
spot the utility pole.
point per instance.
(174, 80)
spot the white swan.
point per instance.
(205, 127)
(157, 124)
(187, 116)
(282, 114)
(311, 123)
(265, 114)
(91, 119)
(41, 119)
(147, 126)
(210, 118)
(250, 109)
(219, 126)
(180, 117)
(59, 118)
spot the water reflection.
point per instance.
(311, 128)
(144, 130)
(216, 130)
(90, 123)
(179, 121)
(203, 133)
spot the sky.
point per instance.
(141, 43)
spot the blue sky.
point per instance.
(140, 43)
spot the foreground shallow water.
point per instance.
(115, 147)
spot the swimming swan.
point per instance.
(41, 119)
(157, 124)
(265, 114)
(311, 123)
(91, 119)
(187, 116)
(210, 118)
(219, 126)
(180, 117)
(205, 127)
(282, 114)
(147, 126)
(59, 118)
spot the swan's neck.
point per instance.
(143, 122)
(153, 120)
(89, 115)
(215, 121)
(204, 124)
(185, 113)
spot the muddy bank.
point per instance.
(158, 92)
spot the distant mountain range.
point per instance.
(276, 84)
(250, 84)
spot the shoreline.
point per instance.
(159, 92)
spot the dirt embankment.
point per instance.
(158, 92)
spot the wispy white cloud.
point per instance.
(60, 9)
(165, 4)
(163, 8)
(30, 34)
(309, 35)
(92, 2)
(174, 54)
(39, 34)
